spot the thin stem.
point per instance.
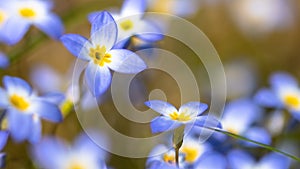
(177, 157)
(255, 142)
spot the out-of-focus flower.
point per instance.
(24, 109)
(188, 114)
(284, 94)
(238, 118)
(239, 159)
(54, 153)
(256, 16)
(100, 55)
(161, 157)
(3, 140)
(4, 61)
(130, 23)
(23, 13)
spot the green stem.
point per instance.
(255, 142)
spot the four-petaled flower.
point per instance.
(100, 55)
(20, 14)
(188, 114)
(24, 109)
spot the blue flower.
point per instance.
(3, 140)
(284, 94)
(248, 113)
(239, 159)
(23, 13)
(24, 109)
(130, 22)
(161, 157)
(100, 55)
(188, 114)
(4, 61)
(53, 153)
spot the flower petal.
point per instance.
(161, 107)
(4, 61)
(133, 7)
(282, 79)
(98, 78)
(193, 108)
(14, 29)
(3, 99)
(208, 121)
(19, 124)
(51, 25)
(16, 85)
(162, 124)
(104, 30)
(46, 110)
(125, 61)
(36, 130)
(3, 139)
(78, 45)
(208, 161)
(274, 161)
(268, 98)
(239, 159)
(257, 134)
(148, 31)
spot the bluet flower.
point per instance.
(99, 54)
(23, 13)
(130, 22)
(283, 94)
(172, 118)
(24, 109)
(53, 153)
(3, 140)
(240, 159)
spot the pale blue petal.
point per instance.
(92, 16)
(3, 139)
(3, 99)
(133, 7)
(257, 134)
(36, 131)
(161, 107)
(4, 61)
(208, 121)
(16, 85)
(125, 61)
(14, 29)
(2, 160)
(54, 98)
(239, 159)
(98, 78)
(78, 45)
(267, 98)
(295, 114)
(50, 153)
(149, 32)
(193, 108)
(104, 30)
(46, 110)
(211, 160)
(156, 164)
(282, 79)
(51, 25)
(19, 124)
(162, 124)
(275, 161)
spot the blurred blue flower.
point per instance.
(248, 113)
(3, 140)
(188, 114)
(240, 159)
(130, 23)
(284, 94)
(4, 61)
(161, 157)
(24, 109)
(53, 153)
(100, 55)
(23, 13)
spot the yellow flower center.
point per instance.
(27, 12)
(76, 166)
(126, 25)
(2, 16)
(99, 55)
(232, 130)
(292, 101)
(169, 158)
(191, 154)
(180, 117)
(19, 102)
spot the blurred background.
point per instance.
(253, 38)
